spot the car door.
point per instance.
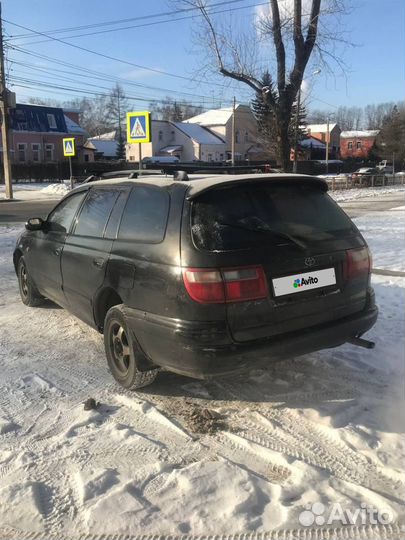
(44, 256)
(87, 249)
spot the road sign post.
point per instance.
(139, 130)
(69, 150)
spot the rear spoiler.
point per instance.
(202, 186)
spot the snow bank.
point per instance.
(56, 189)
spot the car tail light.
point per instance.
(204, 285)
(358, 262)
(244, 283)
(217, 286)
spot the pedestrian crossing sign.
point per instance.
(69, 149)
(139, 127)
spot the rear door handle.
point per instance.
(57, 251)
(98, 262)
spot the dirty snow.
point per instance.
(186, 457)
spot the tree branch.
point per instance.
(279, 45)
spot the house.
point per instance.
(36, 133)
(104, 146)
(219, 121)
(320, 132)
(189, 142)
(309, 148)
(357, 144)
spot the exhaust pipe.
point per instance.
(360, 342)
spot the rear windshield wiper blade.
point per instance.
(271, 232)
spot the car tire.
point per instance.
(121, 351)
(30, 295)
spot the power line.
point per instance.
(145, 24)
(119, 21)
(105, 78)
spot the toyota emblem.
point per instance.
(309, 261)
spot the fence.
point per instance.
(364, 181)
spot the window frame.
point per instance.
(24, 148)
(350, 145)
(38, 149)
(169, 202)
(51, 147)
(52, 124)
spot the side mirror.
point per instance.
(34, 224)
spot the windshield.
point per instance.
(237, 217)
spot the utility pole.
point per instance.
(297, 119)
(233, 132)
(4, 119)
(327, 146)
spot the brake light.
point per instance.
(358, 262)
(218, 286)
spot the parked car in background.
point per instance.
(201, 277)
(362, 176)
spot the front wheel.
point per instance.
(120, 351)
(28, 292)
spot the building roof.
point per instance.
(107, 148)
(312, 142)
(360, 133)
(110, 136)
(73, 127)
(320, 128)
(199, 133)
(37, 118)
(216, 117)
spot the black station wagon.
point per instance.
(202, 277)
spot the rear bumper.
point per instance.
(203, 350)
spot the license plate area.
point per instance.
(304, 282)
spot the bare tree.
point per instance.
(293, 35)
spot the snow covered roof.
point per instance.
(360, 133)
(320, 128)
(110, 136)
(73, 127)
(107, 148)
(198, 133)
(216, 117)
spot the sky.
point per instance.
(374, 69)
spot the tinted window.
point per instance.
(247, 216)
(61, 218)
(96, 211)
(115, 217)
(145, 215)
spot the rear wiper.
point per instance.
(271, 232)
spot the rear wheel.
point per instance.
(120, 351)
(30, 295)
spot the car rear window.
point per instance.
(243, 217)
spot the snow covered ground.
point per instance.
(184, 457)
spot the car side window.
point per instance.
(145, 215)
(95, 212)
(60, 219)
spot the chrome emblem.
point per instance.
(309, 261)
